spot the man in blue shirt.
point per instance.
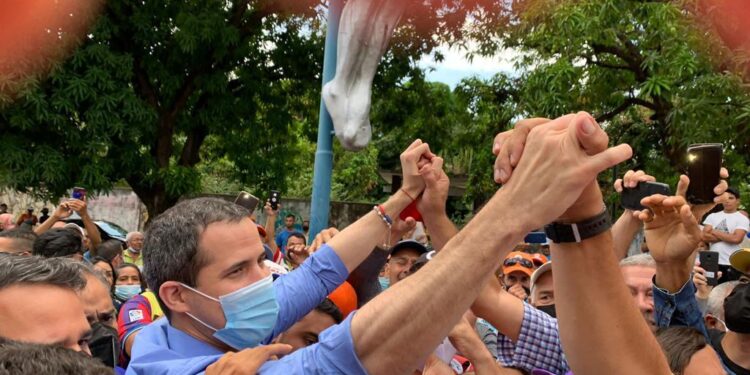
(283, 236)
(205, 259)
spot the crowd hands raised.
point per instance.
(377, 297)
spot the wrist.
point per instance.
(396, 203)
(671, 276)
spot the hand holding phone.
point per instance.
(630, 198)
(275, 199)
(78, 193)
(710, 262)
(704, 169)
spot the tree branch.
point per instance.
(629, 102)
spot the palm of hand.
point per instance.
(668, 239)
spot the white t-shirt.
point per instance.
(728, 223)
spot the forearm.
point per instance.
(623, 232)
(671, 276)
(585, 325)
(271, 233)
(354, 244)
(733, 238)
(473, 349)
(92, 231)
(441, 229)
(46, 225)
(500, 309)
(459, 280)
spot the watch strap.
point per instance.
(577, 232)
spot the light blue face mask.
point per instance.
(384, 282)
(251, 314)
(126, 292)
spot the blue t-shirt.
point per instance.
(282, 237)
(162, 349)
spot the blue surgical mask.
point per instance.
(126, 292)
(384, 282)
(251, 314)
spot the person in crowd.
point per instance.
(28, 216)
(307, 330)
(714, 314)
(111, 251)
(17, 241)
(296, 251)
(45, 215)
(23, 358)
(63, 242)
(138, 307)
(132, 254)
(228, 264)
(517, 269)
(90, 233)
(6, 222)
(542, 290)
(687, 352)
(283, 236)
(724, 231)
(268, 233)
(539, 259)
(129, 282)
(402, 258)
(3, 208)
(306, 228)
(39, 302)
(106, 270)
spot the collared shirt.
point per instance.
(538, 345)
(162, 349)
(681, 309)
(127, 257)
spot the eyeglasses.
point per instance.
(523, 262)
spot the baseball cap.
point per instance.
(740, 260)
(518, 261)
(408, 244)
(546, 267)
(345, 298)
(423, 259)
(539, 259)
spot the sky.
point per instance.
(456, 66)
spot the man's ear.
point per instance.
(172, 294)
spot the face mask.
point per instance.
(305, 227)
(549, 310)
(384, 282)
(737, 309)
(104, 344)
(251, 314)
(134, 251)
(126, 292)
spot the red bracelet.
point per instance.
(407, 194)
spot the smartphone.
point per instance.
(710, 262)
(630, 198)
(275, 199)
(704, 166)
(535, 237)
(78, 193)
(247, 200)
(411, 211)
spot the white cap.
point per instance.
(546, 267)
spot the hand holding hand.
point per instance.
(413, 184)
(436, 189)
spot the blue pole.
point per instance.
(321, 194)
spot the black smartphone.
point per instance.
(275, 199)
(704, 166)
(710, 262)
(630, 198)
(78, 193)
(247, 200)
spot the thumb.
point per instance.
(592, 138)
(609, 158)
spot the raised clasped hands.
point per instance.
(553, 165)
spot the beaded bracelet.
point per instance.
(387, 220)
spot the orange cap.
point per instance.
(539, 259)
(345, 298)
(518, 261)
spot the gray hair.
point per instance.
(22, 239)
(640, 260)
(170, 250)
(35, 270)
(715, 303)
(130, 235)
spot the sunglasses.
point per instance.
(523, 262)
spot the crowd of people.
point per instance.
(206, 289)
